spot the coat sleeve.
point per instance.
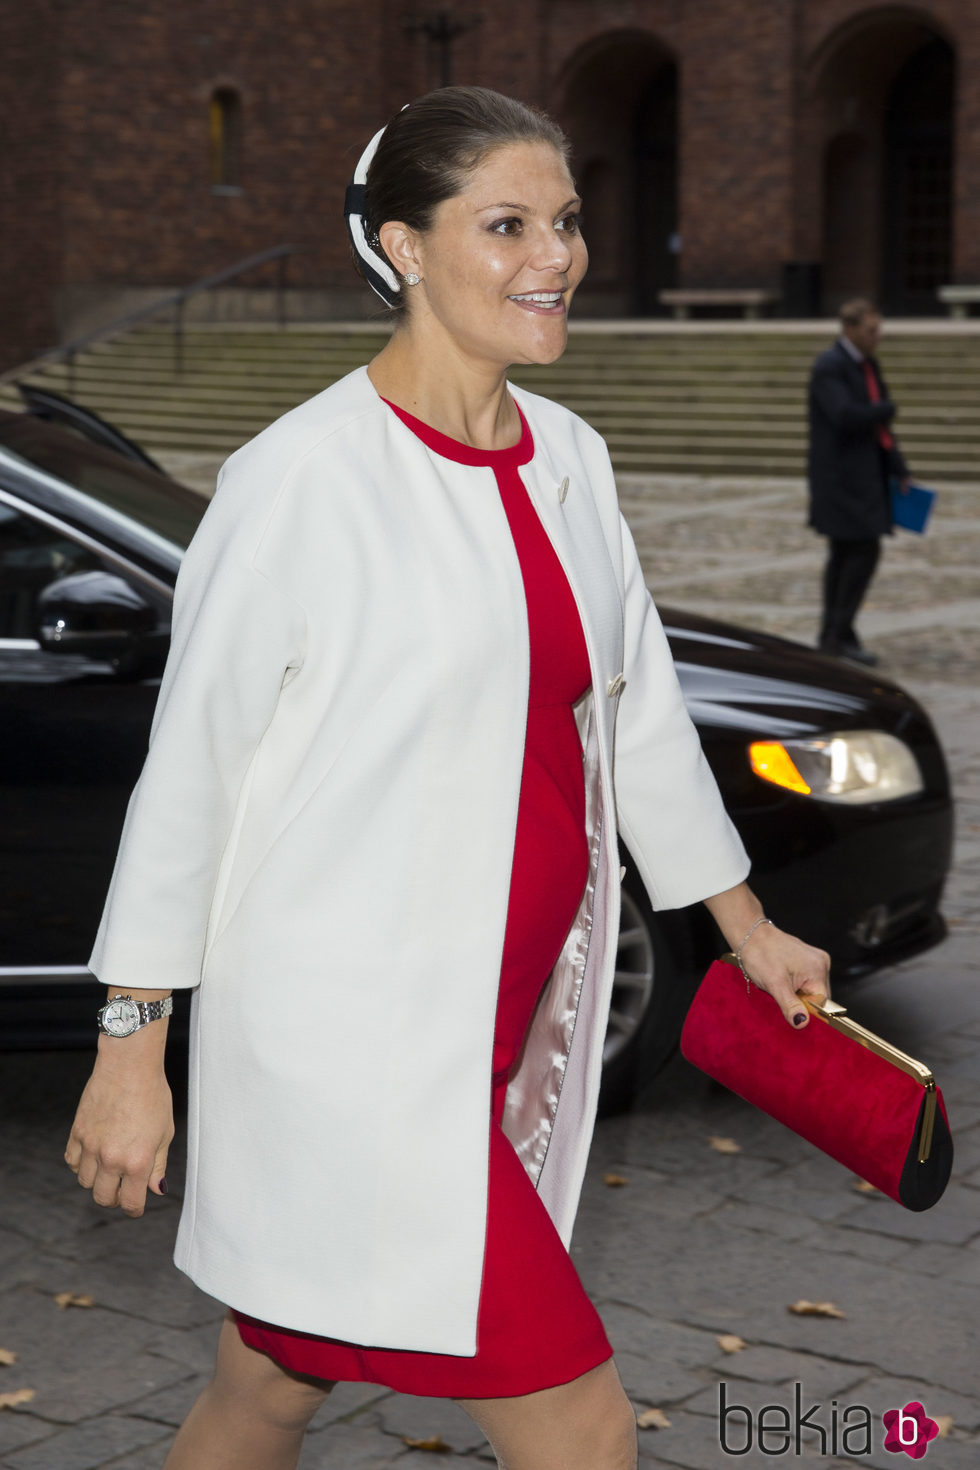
(236, 640)
(896, 463)
(669, 808)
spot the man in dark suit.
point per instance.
(853, 455)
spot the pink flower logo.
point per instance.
(909, 1430)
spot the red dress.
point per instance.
(536, 1327)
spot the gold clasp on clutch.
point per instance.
(837, 1017)
(827, 1008)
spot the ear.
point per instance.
(398, 243)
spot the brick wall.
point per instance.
(736, 130)
(105, 186)
(138, 202)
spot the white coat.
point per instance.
(321, 842)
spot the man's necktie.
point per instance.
(884, 438)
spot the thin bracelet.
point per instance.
(738, 952)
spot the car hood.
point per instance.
(737, 679)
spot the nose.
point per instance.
(552, 251)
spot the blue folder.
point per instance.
(912, 511)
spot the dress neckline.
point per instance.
(497, 459)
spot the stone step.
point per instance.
(322, 368)
(594, 351)
(724, 402)
(220, 404)
(244, 417)
(580, 338)
(703, 415)
(940, 443)
(594, 347)
(284, 390)
(745, 445)
(654, 359)
(763, 463)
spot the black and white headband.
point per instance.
(375, 266)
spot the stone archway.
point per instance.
(880, 118)
(619, 104)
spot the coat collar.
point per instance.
(558, 479)
(855, 368)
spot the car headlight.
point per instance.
(852, 766)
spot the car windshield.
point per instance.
(132, 489)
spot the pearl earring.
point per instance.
(411, 279)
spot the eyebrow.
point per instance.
(526, 209)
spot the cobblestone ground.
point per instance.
(696, 1244)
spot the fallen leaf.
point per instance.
(615, 1181)
(730, 1343)
(945, 1422)
(816, 1309)
(435, 1445)
(724, 1145)
(69, 1299)
(7, 1357)
(863, 1187)
(652, 1419)
(19, 1396)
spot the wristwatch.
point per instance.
(123, 1015)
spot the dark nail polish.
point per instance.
(163, 1186)
(799, 1019)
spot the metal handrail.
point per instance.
(67, 351)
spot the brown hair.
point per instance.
(428, 151)
(853, 312)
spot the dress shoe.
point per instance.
(852, 651)
(855, 650)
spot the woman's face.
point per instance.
(502, 259)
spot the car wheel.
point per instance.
(649, 1000)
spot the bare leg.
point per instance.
(251, 1416)
(588, 1424)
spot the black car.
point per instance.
(833, 776)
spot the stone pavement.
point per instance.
(697, 1243)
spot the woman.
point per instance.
(376, 832)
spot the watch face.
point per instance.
(121, 1017)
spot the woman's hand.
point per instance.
(778, 963)
(121, 1135)
(785, 967)
(125, 1120)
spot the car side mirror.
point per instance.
(95, 614)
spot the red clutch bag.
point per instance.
(865, 1103)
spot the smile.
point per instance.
(540, 301)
